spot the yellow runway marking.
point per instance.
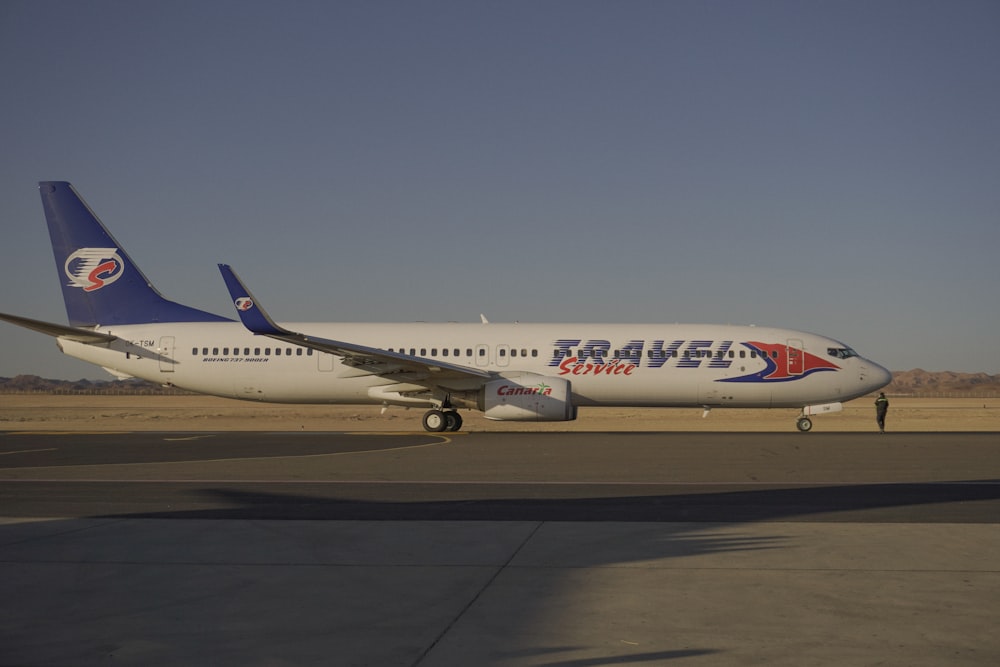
(68, 432)
(444, 440)
(406, 433)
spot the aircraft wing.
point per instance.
(59, 330)
(367, 360)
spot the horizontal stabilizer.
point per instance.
(59, 330)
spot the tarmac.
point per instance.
(559, 549)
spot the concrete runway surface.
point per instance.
(560, 549)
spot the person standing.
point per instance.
(881, 408)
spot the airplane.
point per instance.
(510, 372)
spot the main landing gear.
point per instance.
(437, 421)
(805, 424)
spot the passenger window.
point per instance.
(194, 351)
(534, 353)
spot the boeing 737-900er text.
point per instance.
(516, 372)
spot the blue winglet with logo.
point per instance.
(253, 316)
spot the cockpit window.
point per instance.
(841, 352)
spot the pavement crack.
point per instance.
(475, 598)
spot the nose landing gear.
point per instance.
(805, 424)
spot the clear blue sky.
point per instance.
(826, 166)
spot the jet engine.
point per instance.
(528, 397)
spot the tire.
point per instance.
(435, 421)
(805, 424)
(453, 420)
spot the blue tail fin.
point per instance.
(100, 282)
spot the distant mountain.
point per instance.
(919, 381)
(32, 384)
(916, 382)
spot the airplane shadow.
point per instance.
(894, 502)
(638, 524)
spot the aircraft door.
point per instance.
(165, 353)
(503, 355)
(324, 362)
(795, 356)
(482, 355)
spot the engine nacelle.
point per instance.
(528, 397)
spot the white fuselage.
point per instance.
(606, 364)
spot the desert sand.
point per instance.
(44, 412)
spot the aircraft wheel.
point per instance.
(453, 420)
(435, 421)
(805, 424)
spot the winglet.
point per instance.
(253, 316)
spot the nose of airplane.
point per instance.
(876, 376)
